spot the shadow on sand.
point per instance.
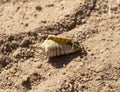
(60, 61)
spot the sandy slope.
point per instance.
(25, 23)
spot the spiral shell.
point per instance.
(56, 46)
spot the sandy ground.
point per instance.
(25, 23)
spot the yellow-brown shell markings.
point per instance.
(56, 46)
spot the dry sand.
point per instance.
(25, 23)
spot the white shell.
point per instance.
(56, 46)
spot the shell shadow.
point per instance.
(63, 60)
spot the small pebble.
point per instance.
(58, 82)
(49, 74)
(9, 83)
(101, 51)
(39, 66)
(114, 45)
(39, 8)
(50, 5)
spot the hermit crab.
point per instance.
(56, 46)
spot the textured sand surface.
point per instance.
(26, 23)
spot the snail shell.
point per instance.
(56, 46)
